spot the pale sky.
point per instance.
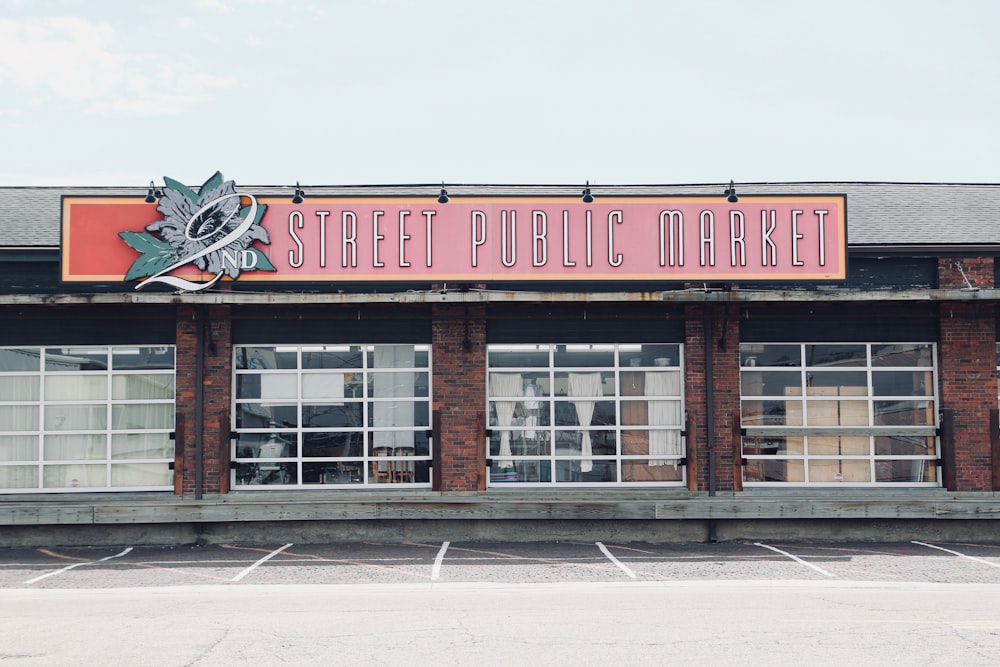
(270, 92)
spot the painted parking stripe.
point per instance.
(795, 558)
(978, 560)
(261, 562)
(436, 570)
(620, 565)
(70, 567)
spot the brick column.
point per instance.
(967, 374)
(725, 340)
(212, 326)
(459, 346)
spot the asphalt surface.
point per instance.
(501, 563)
(576, 604)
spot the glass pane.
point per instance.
(586, 471)
(604, 443)
(19, 388)
(585, 356)
(18, 417)
(328, 385)
(142, 386)
(649, 355)
(141, 474)
(332, 356)
(76, 387)
(398, 413)
(513, 356)
(772, 445)
(19, 359)
(904, 413)
(771, 413)
(839, 445)
(905, 471)
(266, 445)
(74, 476)
(76, 417)
(277, 386)
(565, 414)
(391, 356)
(771, 383)
(142, 358)
(521, 471)
(270, 357)
(19, 477)
(921, 354)
(837, 413)
(259, 415)
(856, 382)
(584, 384)
(902, 445)
(333, 473)
(142, 446)
(384, 385)
(656, 470)
(142, 416)
(18, 447)
(332, 445)
(337, 415)
(75, 447)
(902, 383)
(521, 442)
(757, 354)
(76, 359)
(832, 470)
(763, 470)
(836, 355)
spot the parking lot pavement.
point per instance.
(496, 562)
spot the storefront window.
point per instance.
(839, 414)
(585, 414)
(341, 415)
(86, 418)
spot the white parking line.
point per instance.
(436, 570)
(621, 566)
(795, 558)
(70, 567)
(978, 560)
(260, 562)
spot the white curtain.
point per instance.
(589, 385)
(664, 413)
(388, 385)
(22, 448)
(505, 385)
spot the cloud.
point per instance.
(74, 59)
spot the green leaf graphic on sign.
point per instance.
(156, 255)
(263, 263)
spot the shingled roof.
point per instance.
(880, 215)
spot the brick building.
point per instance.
(544, 397)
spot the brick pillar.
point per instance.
(212, 326)
(459, 345)
(725, 341)
(967, 374)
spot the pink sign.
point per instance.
(502, 239)
(223, 235)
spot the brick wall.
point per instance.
(967, 374)
(459, 347)
(211, 325)
(726, 395)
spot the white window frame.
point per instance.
(499, 470)
(362, 470)
(759, 432)
(86, 467)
